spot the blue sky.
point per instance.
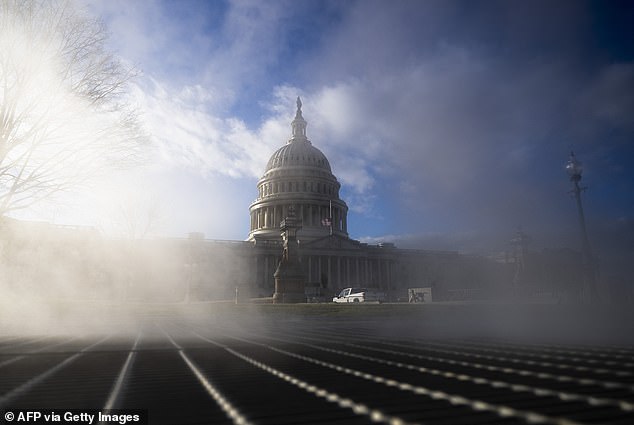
(448, 123)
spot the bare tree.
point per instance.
(138, 217)
(63, 109)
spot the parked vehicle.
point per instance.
(359, 295)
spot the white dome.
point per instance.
(298, 175)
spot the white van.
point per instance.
(359, 295)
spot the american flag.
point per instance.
(326, 221)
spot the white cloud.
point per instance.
(189, 135)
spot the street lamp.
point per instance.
(575, 169)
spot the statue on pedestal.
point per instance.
(289, 276)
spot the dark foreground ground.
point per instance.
(449, 364)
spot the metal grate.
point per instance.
(323, 373)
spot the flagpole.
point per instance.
(330, 218)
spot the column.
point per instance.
(329, 271)
(273, 264)
(273, 218)
(258, 276)
(338, 271)
(334, 219)
(368, 278)
(374, 271)
(266, 271)
(310, 258)
(384, 275)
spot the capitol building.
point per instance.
(298, 177)
(297, 182)
(297, 186)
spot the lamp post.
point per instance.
(520, 243)
(575, 170)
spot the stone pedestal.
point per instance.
(289, 276)
(289, 283)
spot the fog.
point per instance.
(431, 134)
(61, 280)
(68, 279)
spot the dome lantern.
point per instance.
(298, 124)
